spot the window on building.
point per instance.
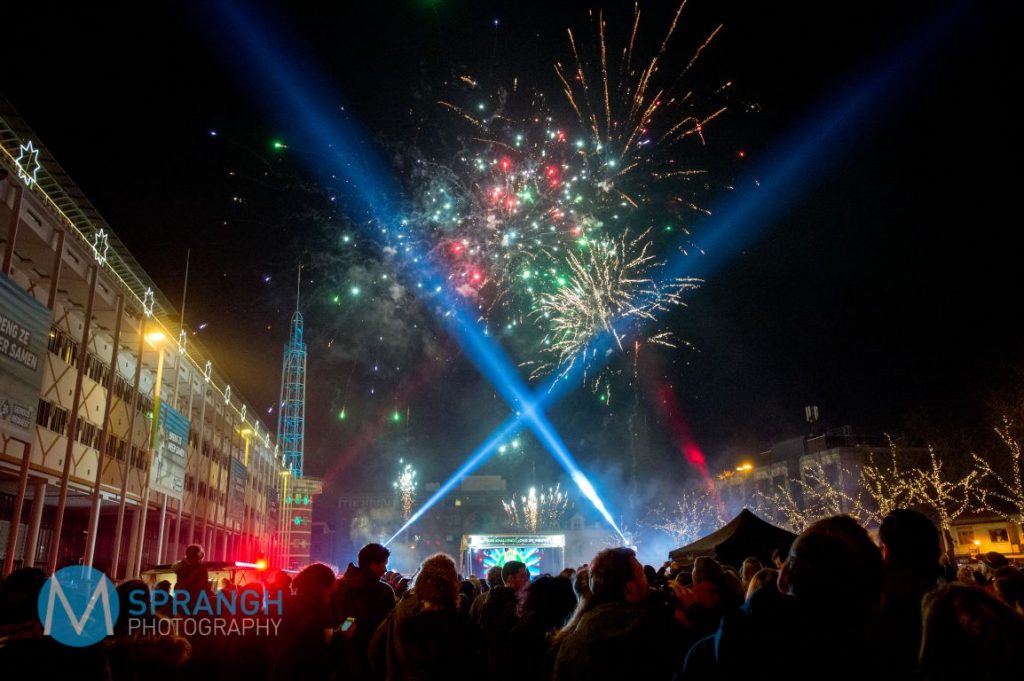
(87, 433)
(998, 536)
(965, 536)
(58, 420)
(62, 345)
(96, 369)
(44, 411)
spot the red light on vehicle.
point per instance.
(261, 564)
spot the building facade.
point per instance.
(121, 441)
(837, 456)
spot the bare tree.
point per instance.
(781, 508)
(948, 498)
(813, 496)
(886, 485)
(696, 512)
(1002, 489)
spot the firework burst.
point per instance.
(535, 511)
(609, 290)
(533, 214)
(405, 485)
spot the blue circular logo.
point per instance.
(78, 606)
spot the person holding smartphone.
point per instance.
(361, 600)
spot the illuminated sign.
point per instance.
(499, 541)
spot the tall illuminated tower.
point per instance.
(299, 490)
(291, 417)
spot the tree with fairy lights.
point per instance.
(948, 497)
(695, 513)
(1003, 486)
(813, 496)
(886, 484)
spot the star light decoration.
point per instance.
(227, 395)
(100, 246)
(207, 371)
(28, 163)
(148, 302)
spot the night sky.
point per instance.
(884, 293)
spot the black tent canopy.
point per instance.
(744, 536)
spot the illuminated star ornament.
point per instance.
(227, 395)
(148, 302)
(100, 246)
(181, 340)
(28, 163)
(207, 370)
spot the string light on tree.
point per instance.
(820, 495)
(887, 487)
(949, 497)
(1004, 488)
(697, 511)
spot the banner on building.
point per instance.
(239, 476)
(170, 453)
(24, 325)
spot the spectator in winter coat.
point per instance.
(500, 614)
(425, 636)
(493, 580)
(191, 574)
(304, 634)
(621, 632)
(360, 594)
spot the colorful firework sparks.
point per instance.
(405, 485)
(609, 289)
(528, 556)
(535, 512)
(533, 216)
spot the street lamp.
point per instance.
(156, 340)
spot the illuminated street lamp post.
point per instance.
(156, 340)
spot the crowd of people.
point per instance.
(835, 605)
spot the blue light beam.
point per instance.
(298, 92)
(787, 172)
